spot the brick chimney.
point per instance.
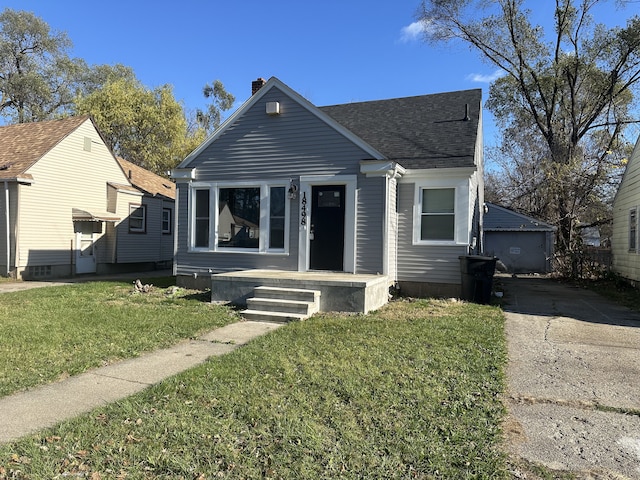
(257, 85)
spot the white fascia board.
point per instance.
(183, 173)
(375, 168)
(411, 175)
(21, 180)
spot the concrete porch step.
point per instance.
(277, 304)
(282, 305)
(299, 294)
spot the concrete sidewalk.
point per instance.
(573, 379)
(38, 408)
(20, 285)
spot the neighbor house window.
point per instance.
(137, 218)
(633, 227)
(202, 218)
(243, 217)
(437, 214)
(166, 220)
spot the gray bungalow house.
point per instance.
(385, 192)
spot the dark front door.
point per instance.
(327, 228)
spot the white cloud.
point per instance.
(483, 78)
(413, 32)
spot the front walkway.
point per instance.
(32, 410)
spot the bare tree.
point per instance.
(564, 100)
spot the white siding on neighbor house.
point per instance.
(424, 263)
(67, 177)
(259, 147)
(625, 262)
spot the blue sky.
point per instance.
(330, 51)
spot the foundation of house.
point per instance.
(339, 292)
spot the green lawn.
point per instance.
(53, 332)
(410, 391)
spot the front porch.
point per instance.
(339, 292)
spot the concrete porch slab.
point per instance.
(339, 292)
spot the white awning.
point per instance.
(82, 215)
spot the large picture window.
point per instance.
(437, 219)
(239, 217)
(247, 218)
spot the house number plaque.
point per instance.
(303, 209)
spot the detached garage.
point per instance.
(523, 244)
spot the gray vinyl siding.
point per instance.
(259, 146)
(370, 224)
(625, 262)
(151, 246)
(423, 263)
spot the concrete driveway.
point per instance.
(574, 379)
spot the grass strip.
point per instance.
(410, 391)
(54, 332)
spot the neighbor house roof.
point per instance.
(428, 131)
(23, 144)
(497, 218)
(147, 181)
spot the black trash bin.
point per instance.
(477, 277)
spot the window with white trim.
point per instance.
(201, 208)
(277, 215)
(239, 218)
(437, 214)
(441, 211)
(137, 218)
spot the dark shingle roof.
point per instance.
(428, 131)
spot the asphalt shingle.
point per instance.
(427, 131)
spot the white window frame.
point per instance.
(166, 231)
(461, 210)
(143, 208)
(214, 192)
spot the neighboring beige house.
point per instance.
(625, 245)
(67, 206)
